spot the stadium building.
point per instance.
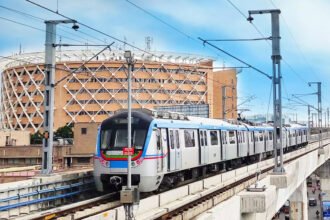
(99, 88)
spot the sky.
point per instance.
(175, 25)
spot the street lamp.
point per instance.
(129, 195)
(129, 60)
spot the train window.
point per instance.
(214, 137)
(270, 135)
(171, 139)
(232, 137)
(189, 138)
(138, 138)
(121, 138)
(105, 139)
(177, 139)
(158, 139)
(261, 136)
(239, 136)
(224, 137)
(205, 138)
(201, 138)
(112, 139)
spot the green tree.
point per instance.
(36, 138)
(64, 132)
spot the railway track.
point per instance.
(105, 202)
(111, 201)
(204, 200)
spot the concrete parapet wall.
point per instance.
(42, 192)
(227, 205)
(264, 205)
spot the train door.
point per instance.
(206, 147)
(172, 149)
(164, 140)
(178, 152)
(202, 146)
(161, 138)
(159, 149)
(223, 144)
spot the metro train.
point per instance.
(171, 147)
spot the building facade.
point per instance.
(14, 138)
(99, 88)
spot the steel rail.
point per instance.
(204, 198)
(111, 198)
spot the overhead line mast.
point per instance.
(277, 92)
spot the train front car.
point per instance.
(110, 164)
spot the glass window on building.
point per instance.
(83, 130)
(83, 160)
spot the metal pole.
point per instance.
(328, 115)
(49, 81)
(129, 125)
(277, 93)
(276, 57)
(309, 116)
(319, 102)
(224, 102)
(129, 205)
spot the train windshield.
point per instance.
(116, 139)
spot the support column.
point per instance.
(298, 203)
(324, 173)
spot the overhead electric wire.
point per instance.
(236, 58)
(84, 63)
(241, 39)
(94, 29)
(35, 28)
(261, 34)
(243, 14)
(110, 36)
(298, 47)
(295, 41)
(187, 35)
(61, 26)
(160, 20)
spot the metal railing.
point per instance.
(32, 195)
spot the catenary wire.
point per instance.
(61, 26)
(35, 28)
(261, 34)
(190, 37)
(103, 33)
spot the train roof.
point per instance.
(178, 120)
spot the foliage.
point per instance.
(36, 138)
(64, 132)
